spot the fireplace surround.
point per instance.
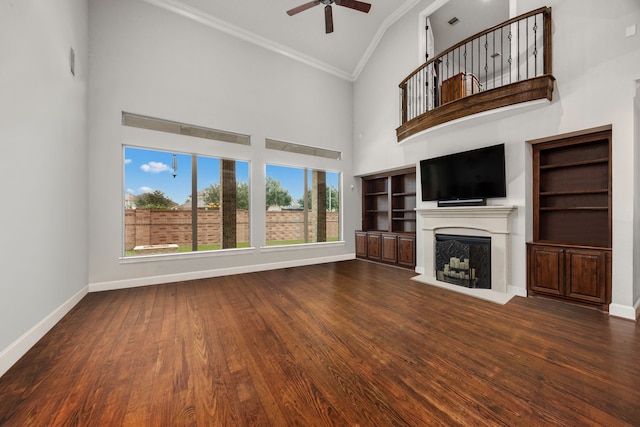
(480, 221)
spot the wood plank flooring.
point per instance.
(341, 344)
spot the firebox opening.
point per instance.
(463, 260)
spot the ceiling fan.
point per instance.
(328, 15)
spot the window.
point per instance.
(303, 205)
(176, 202)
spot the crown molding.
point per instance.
(211, 21)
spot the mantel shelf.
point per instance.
(468, 212)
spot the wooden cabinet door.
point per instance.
(374, 246)
(407, 250)
(361, 244)
(389, 248)
(546, 269)
(585, 275)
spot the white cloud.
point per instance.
(127, 161)
(130, 191)
(155, 167)
(145, 190)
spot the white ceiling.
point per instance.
(474, 17)
(343, 52)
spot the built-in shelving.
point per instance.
(388, 218)
(570, 255)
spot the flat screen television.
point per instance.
(471, 176)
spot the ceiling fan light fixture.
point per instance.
(328, 14)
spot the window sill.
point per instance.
(277, 248)
(185, 255)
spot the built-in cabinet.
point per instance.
(388, 218)
(570, 255)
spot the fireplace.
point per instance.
(490, 222)
(463, 260)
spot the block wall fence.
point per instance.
(159, 227)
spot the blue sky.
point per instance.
(150, 170)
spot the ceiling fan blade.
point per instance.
(303, 7)
(355, 4)
(328, 19)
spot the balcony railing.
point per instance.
(504, 65)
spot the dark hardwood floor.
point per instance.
(347, 344)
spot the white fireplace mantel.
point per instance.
(491, 221)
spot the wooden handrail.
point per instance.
(445, 89)
(546, 11)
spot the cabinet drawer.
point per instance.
(361, 244)
(546, 270)
(407, 250)
(585, 275)
(374, 246)
(389, 248)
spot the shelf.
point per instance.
(573, 192)
(564, 245)
(576, 208)
(570, 256)
(389, 201)
(575, 164)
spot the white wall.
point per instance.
(149, 61)
(43, 150)
(636, 199)
(595, 67)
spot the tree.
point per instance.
(211, 196)
(333, 199)
(242, 195)
(154, 200)
(301, 200)
(276, 195)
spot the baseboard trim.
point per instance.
(516, 290)
(624, 311)
(10, 355)
(205, 274)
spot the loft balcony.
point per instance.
(507, 64)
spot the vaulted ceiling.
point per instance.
(302, 36)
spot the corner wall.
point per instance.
(636, 200)
(43, 134)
